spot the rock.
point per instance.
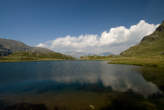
(92, 107)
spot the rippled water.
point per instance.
(51, 76)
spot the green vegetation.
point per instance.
(151, 45)
(95, 57)
(13, 51)
(34, 56)
(155, 61)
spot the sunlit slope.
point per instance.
(152, 45)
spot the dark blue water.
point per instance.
(49, 76)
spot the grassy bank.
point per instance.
(28, 56)
(28, 59)
(154, 61)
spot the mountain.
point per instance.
(14, 45)
(151, 45)
(13, 48)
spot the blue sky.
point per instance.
(35, 21)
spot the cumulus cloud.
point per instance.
(115, 40)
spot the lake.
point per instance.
(76, 84)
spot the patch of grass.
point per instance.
(28, 56)
(156, 61)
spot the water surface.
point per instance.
(83, 82)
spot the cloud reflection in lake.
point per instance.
(118, 77)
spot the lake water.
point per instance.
(64, 82)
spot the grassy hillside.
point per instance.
(11, 51)
(30, 56)
(152, 45)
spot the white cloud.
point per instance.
(115, 40)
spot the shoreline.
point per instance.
(152, 68)
(39, 60)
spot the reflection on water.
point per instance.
(74, 75)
